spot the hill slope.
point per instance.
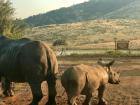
(94, 9)
(131, 11)
(87, 34)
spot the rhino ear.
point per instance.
(103, 63)
(111, 63)
(118, 73)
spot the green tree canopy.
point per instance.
(9, 26)
(6, 15)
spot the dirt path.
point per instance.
(126, 93)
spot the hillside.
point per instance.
(88, 34)
(130, 11)
(94, 9)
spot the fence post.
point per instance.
(115, 39)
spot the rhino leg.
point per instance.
(100, 95)
(6, 87)
(90, 94)
(36, 92)
(52, 90)
(72, 93)
(87, 100)
(73, 101)
(86, 92)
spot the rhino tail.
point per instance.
(87, 79)
(51, 62)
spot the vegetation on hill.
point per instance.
(88, 34)
(130, 11)
(93, 9)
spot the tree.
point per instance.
(6, 15)
(59, 42)
(17, 28)
(9, 26)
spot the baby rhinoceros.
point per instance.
(88, 80)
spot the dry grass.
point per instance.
(89, 34)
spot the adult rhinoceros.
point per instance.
(88, 80)
(29, 61)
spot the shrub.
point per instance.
(116, 53)
(59, 42)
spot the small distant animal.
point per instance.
(88, 80)
(25, 60)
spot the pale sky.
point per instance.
(25, 8)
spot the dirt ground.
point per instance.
(126, 93)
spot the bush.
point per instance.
(59, 42)
(116, 53)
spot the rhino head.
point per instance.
(113, 75)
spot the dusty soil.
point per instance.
(126, 93)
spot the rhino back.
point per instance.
(94, 76)
(9, 52)
(33, 60)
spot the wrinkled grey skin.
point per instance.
(89, 81)
(29, 61)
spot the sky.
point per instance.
(26, 8)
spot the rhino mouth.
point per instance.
(117, 82)
(114, 82)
